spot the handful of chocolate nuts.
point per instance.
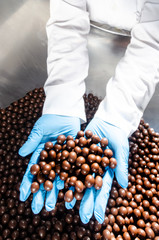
(80, 162)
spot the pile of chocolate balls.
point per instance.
(79, 162)
(132, 213)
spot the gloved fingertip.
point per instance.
(59, 183)
(123, 183)
(35, 209)
(85, 219)
(49, 207)
(23, 195)
(99, 217)
(22, 152)
(122, 178)
(70, 205)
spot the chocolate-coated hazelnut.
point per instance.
(52, 154)
(64, 154)
(34, 187)
(85, 151)
(91, 158)
(95, 167)
(108, 153)
(70, 144)
(72, 180)
(35, 169)
(48, 185)
(63, 175)
(40, 177)
(89, 133)
(80, 134)
(105, 161)
(72, 157)
(98, 182)
(66, 165)
(61, 139)
(80, 160)
(43, 155)
(112, 163)
(89, 181)
(46, 169)
(48, 146)
(79, 186)
(95, 139)
(85, 169)
(93, 148)
(78, 195)
(68, 196)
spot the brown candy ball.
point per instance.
(82, 141)
(105, 162)
(48, 185)
(43, 155)
(70, 144)
(98, 182)
(80, 160)
(35, 169)
(66, 165)
(104, 142)
(89, 181)
(40, 177)
(48, 146)
(46, 169)
(78, 195)
(108, 153)
(73, 180)
(112, 163)
(79, 186)
(61, 139)
(68, 196)
(34, 187)
(88, 133)
(72, 157)
(85, 169)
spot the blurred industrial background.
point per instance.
(23, 53)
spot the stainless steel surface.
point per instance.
(23, 52)
(23, 47)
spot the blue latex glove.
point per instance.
(47, 128)
(96, 200)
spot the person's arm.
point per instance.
(67, 65)
(127, 95)
(131, 88)
(67, 62)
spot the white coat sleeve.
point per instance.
(133, 84)
(67, 62)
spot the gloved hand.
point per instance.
(96, 200)
(47, 128)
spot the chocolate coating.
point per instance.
(35, 169)
(89, 181)
(104, 142)
(48, 146)
(34, 187)
(48, 185)
(61, 139)
(98, 182)
(108, 153)
(89, 133)
(85, 169)
(112, 163)
(68, 196)
(72, 157)
(79, 186)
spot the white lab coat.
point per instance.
(133, 84)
